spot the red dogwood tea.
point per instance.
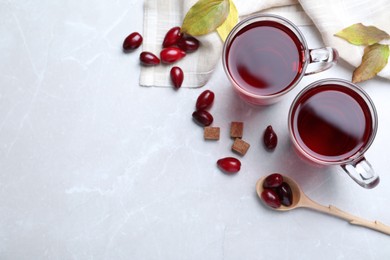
(332, 122)
(266, 56)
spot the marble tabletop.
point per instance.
(93, 166)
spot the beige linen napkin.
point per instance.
(328, 16)
(332, 16)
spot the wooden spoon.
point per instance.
(301, 200)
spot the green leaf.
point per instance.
(359, 34)
(374, 59)
(205, 16)
(229, 23)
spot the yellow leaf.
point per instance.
(374, 59)
(205, 16)
(359, 34)
(230, 22)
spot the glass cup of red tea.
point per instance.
(334, 122)
(265, 56)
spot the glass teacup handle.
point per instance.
(362, 173)
(325, 58)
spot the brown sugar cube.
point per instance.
(211, 133)
(240, 146)
(236, 129)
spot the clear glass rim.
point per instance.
(374, 116)
(263, 17)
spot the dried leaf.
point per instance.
(205, 16)
(229, 23)
(359, 34)
(374, 59)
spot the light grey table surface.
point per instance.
(93, 166)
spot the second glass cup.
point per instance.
(334, 122)
(265, 56)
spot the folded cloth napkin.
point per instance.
(328, 16)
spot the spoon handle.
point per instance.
(354, 220)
